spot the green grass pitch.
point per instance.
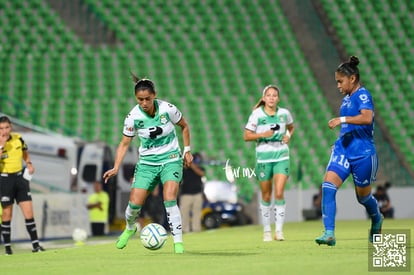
(230, 250)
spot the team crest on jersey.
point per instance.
(139, 124)
(281, 119)
(163, 119)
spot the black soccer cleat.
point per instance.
(9, 251)
(38, 249)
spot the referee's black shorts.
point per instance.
(13, 187)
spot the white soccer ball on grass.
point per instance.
(153, 236)
(79, 235)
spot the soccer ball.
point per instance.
(153, 236)
(79, 235)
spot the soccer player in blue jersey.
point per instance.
(353, 152)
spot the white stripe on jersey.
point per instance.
(157, 135)
(260, 122)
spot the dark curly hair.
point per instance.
(350, 67)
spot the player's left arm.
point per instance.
(185, 130)
(26, 158)
(364, 117)
(290, 129)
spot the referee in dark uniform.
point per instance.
(13, 186)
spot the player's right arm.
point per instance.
(120, 154)
(251, 136)
(250, 133)
(365, 117)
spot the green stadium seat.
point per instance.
(205, 63)
(387, 24)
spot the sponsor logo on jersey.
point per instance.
(364, 98)
(173, 156)
(139, 124)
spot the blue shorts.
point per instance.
(363, 169)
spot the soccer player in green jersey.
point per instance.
(161, 160)
(271, 127)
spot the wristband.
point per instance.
(288, 133)
(186, 149)
(342, 119)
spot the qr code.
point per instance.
(389, 251)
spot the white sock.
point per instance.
(174, 220)
(265, 211)
(280, 216)
(131, 215)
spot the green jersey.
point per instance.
(270, 149)
(159, 143)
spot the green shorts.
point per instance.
(149, 176)
(265, 171)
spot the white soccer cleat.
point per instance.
(267, 236)
(279, 236)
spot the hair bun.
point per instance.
(353, 61)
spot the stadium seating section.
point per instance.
(382, 32)
(211, 59)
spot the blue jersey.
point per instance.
(357, 140)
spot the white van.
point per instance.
(55, 159)
(95, 158)
(71, 165)
(67, 164)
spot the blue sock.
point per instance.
(371, 206)
(329, 205)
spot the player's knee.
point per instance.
(279, 196)
(266, 197)
(364, 199)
